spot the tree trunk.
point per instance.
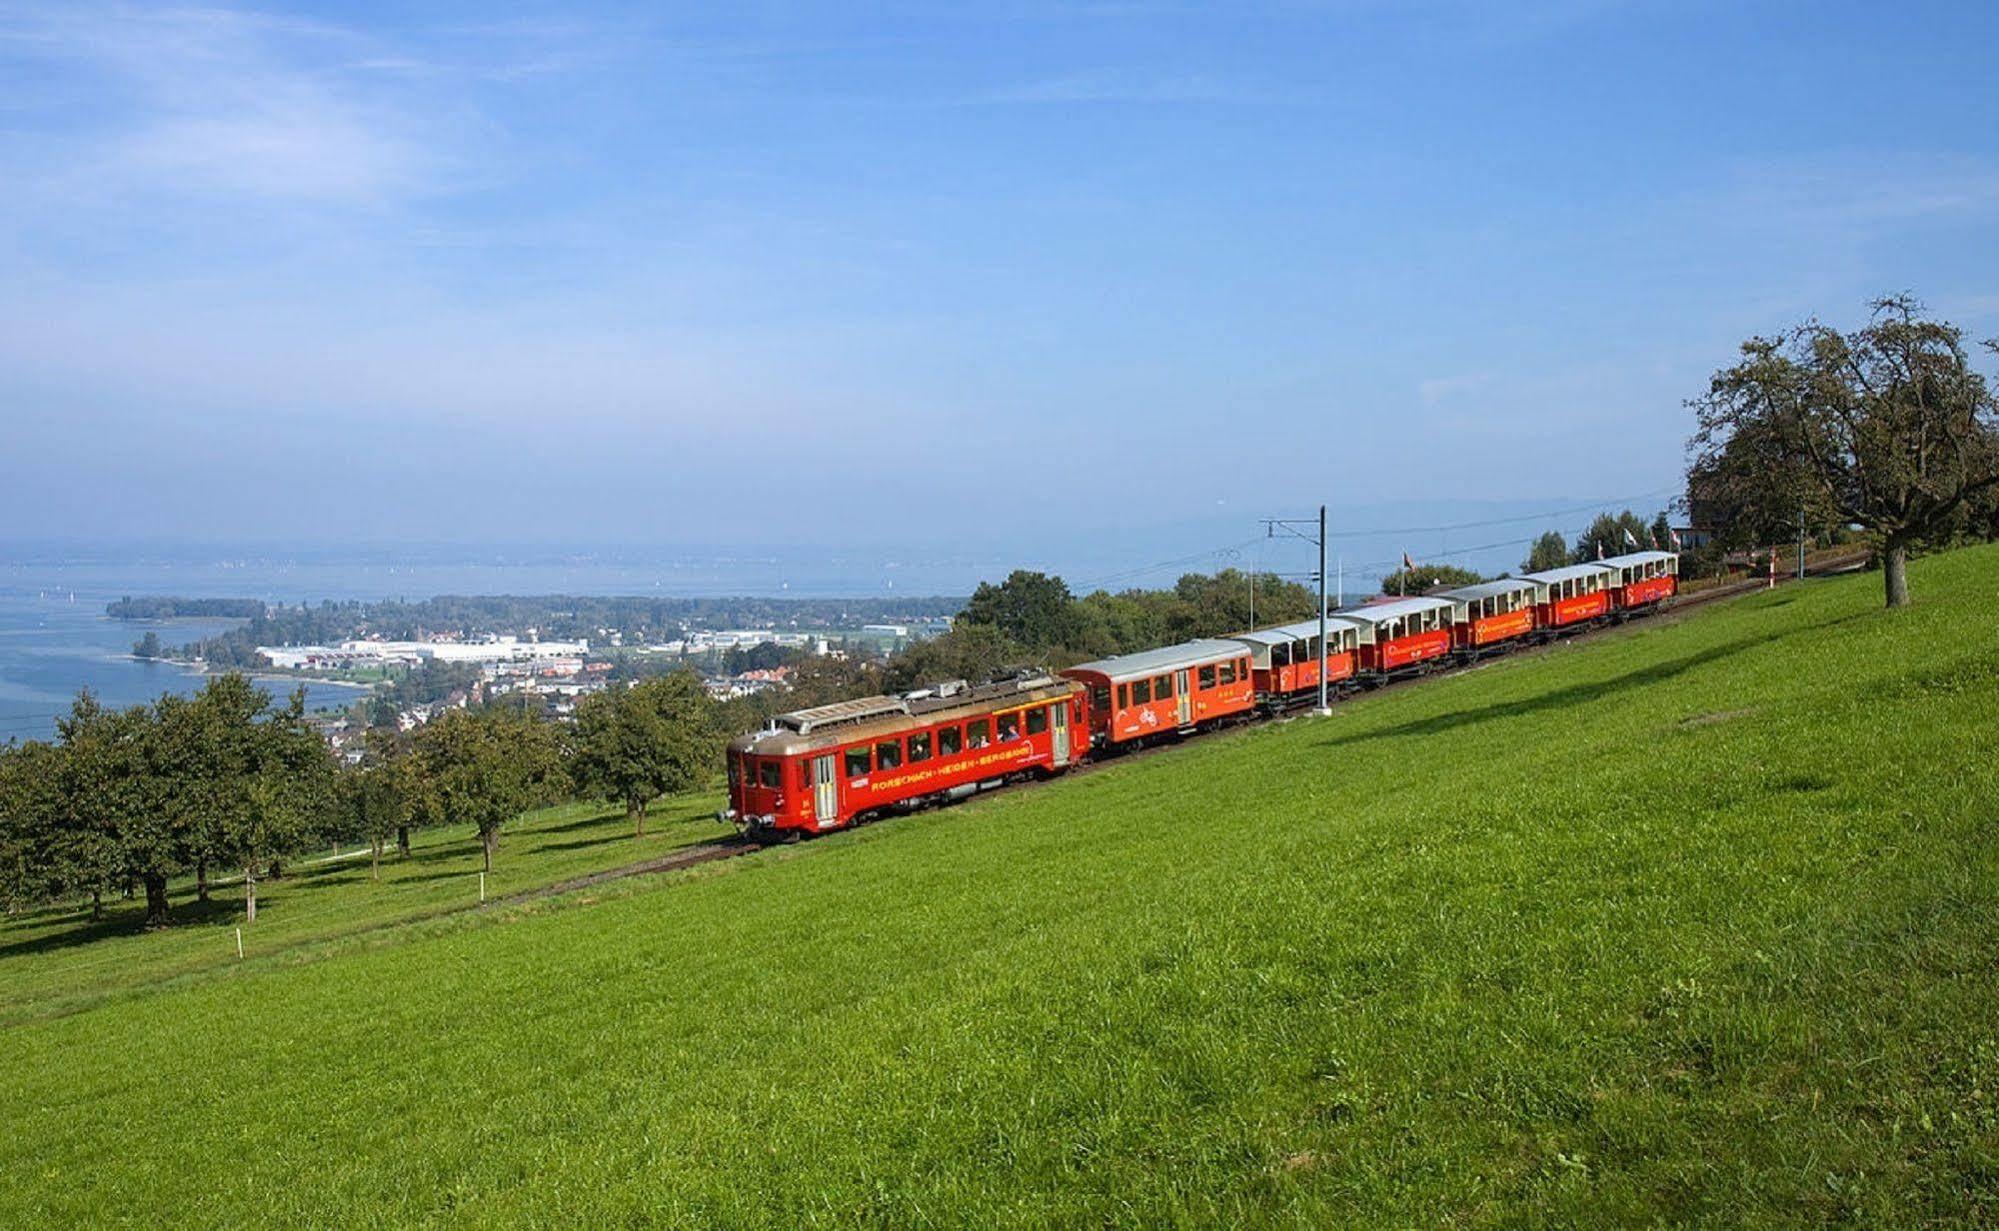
(131, 888)
(250, 892)
(277, 872)
(635, 811)
(201, 878)
(375, 859)
(1895, 571)
(403, 841)
(489, 840)
(97, 901)
(157, 909)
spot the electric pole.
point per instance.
(1290, 526)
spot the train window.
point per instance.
(978, 734)
(770, 773)
(1037, 720)
(1162, 688)
(950, 740)
(1123, 695)
(857, 761)
(919, 747)
(1207, 677)
(1100, 700)
(1141, 692)
(735, 771)
(1009, 726)
(805, 775)
(1280, 654)
(1227, 674)
(888, 754)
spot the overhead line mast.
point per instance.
(1271, 525)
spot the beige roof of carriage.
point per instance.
(1165, 658)
(865, 718)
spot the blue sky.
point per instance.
(931, 273)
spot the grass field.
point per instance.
(1699, 922)
(59, 960)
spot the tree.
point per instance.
(486, 767)
(287, 791)
(1032, 608)
(1427, 576)
(36, 862)
(203, 753)
(378, 796)
(1551, 550)
(975, 652)
(104, 814)
(639, 743)
(1661, 533)
(148, 646)
(1889, 425)
(1611, 535)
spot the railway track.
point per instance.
(731, 847)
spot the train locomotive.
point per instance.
(833, 766)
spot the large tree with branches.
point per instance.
(1888, 427)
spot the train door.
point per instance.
(1061, 733)
(825, 791)
(1184, 697)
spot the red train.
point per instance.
(843, 764)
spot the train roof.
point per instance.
(843, 722)
(1379, 613)
(1165, 658)
(1284, 633)
(1488, 589)
(1637, 557)
(1549, 577)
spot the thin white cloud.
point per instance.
(192, 102)
(1863, 190)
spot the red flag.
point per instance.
(1408, 565)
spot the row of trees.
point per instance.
(1611, 534)
(222, 779)
(226, 780)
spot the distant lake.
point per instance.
(50, 647)
(55, 638)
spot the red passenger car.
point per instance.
(1492, 616)
(829, 766)
(1644, 580)
(1178, 688)
(1285, 662)
(1402, 635)
(1566, 597)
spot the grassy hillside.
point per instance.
(59, 959)
(1699, 922)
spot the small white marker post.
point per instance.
(239, 944)
(482, 886)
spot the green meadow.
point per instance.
(1696, 922)
(59, 960)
